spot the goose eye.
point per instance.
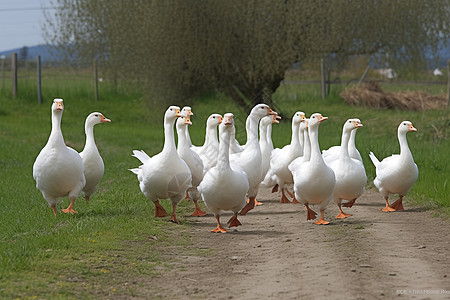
(96, 115)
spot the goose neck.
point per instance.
(182, 132)
(169, 139)
(56, 137)
(223, 159)
(405, 152)
(344, 144)
(294, 137)
(306, 146)
(211, 136)
(251, 126)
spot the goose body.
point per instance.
(397, 173)
(250, 160)
(165, 175)
(92, 161)
(349, 173)
(193, 161)
(265, 141)
(281, 158)
(58, 169)
(208, 152)
(313, 180)
(333, 152)
(224, 187)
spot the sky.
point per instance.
(20, 23)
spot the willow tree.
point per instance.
(181, 48)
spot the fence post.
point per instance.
(39, 90)
(3, 71)
(448, 83)
(323, 78)
(14, 74)
(95, 81)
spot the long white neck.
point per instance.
(306, 146)
(344, 144)
(56, 137)
(251, 126)
(90, 140)
(183, 143)
(223, 160)
(269, 136)
(405, 153)
(314, 139)
(169, 139)
(263, 138)
(188, 137)
(294, 137)
(211, 136)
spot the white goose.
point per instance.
(349, 172)
(250, 160)
(333, 152)
(193, 160)
(92, 161)
(165, 175)
(265, 140)
(313, 180)
(224, 187)
(187, 111)
(396, 174)
(281, 158)
(58, 169)
(208, 152)
(295, 164)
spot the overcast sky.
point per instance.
(20, 23)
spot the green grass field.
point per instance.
(116, 236)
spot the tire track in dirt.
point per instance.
(277, 254)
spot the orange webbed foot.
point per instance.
(219, 229)
(388, 208)
(342, 215)
(398, 205)
(257, 203)
(234, 222)
(69, 210)
(160, 211)
(249, 206)
(295, 201)
(198, 213)
(321, 222)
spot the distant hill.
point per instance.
(47, 52)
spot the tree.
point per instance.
(182, 48)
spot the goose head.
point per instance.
(352, 124)
(315, 119)
(183, 121)
(262, 110)
(96, 118)
(406, 126)
(299, 117)
(172, 112)
(304, 125)
(275, 118)
(187, 111)
(214, 120)
(57, 105)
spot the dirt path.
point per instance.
(277, 254)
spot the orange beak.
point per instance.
(412, 128)
(303, 118)
(190, 113)
(270, 111)
(357, 125)
(187, 121)
(177, 113)
(220, 119)
(103, 119)
(59, 105)
(322, 118)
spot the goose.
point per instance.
(235, 147)
(306, 148)
(58, 169)
(193, 161)
(349, 173)
(265, 140)
(397, 173)
(92, 161)
(281, 158)
(334, 152)
(313, 180)
(187, 111)
(208, 152)
(165, 175)
(224, 187)
(250, 160)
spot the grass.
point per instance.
(109, 248)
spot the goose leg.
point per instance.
(187, 196)
(398, 205)
(159, 210)
(198, 212)
(349, 204)
(234, 222)
(388, 207)
(321, 221)
(310, 214)
(249, 206)
(284, 199)
(53, 206)
(219, 227)
(173, 217)
(69, 209)
(341, 214)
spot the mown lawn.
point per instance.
(115, 238)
